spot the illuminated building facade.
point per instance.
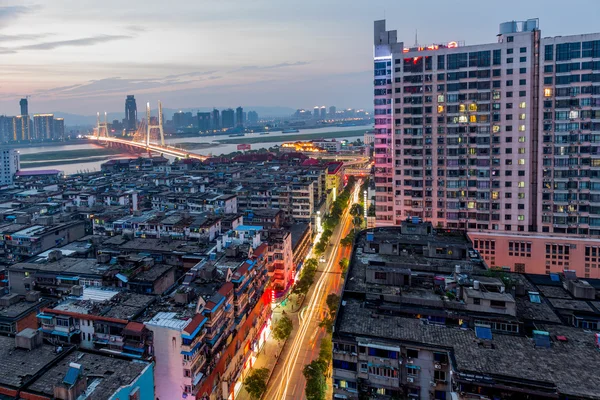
(495, 138)
(43, 126)
(130, 114)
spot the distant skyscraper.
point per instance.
(24, 107)
(203, 121)
(228, 118)
(21, 128)
(332, 111)
(216, 120)
(59, 128)
(43, 127)
(252, 117)
(6, 129)
(316, 112)
(179, 119)
(323, 112)
(9, 162)
(130, 114)
(239, 116)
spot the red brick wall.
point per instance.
(29, 321)
(29, 396)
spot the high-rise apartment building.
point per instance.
(21, 128)
(24, 107)
(252, 117)
(203, 121)
(216, 119)
(316, 112)
(6, 128)
(130, 114)
(332, 111)
(496, 139)
(43, 127)
(59, 128)
(323, 112)
(228, 118)
(239, 117)
(9, 165)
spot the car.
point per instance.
(322, 259)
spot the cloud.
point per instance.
(281, 65)
(23, 37)
(136, 28)
(9, 13)
(89, 41)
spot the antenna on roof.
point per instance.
(416, 38)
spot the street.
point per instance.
(287, 381)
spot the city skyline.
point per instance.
(69, 64)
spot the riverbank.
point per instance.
(295, 137)
(196, 146)
(70, 154)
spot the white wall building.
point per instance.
(9, 165)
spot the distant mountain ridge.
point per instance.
(84, 120)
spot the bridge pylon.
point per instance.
(155, 127)
(102, 127)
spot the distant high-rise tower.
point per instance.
(239, 116)
(252, 117)
(216, 119)
(203, 121)
(21, 128)
(43, 127)
(316, 112)
(228, 117)
(323, 112)
(332, 111)
(130, 114)
(59, 128)
(24, 107)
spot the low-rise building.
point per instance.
(422, 317)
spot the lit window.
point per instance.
(521, 139)
(496, 95)
(472, 151)
(521, 184)
(521, 128)
(521, 195)
(496, 128)
(521, 161)
(473, 107)
(462, 118)
(462, 108)
(547, 92)
(522, 116)
(522, 104)
(473, 118)
(440, 109)
(440, 98)
(521, 218)
(573, 114)
(471, 204)
(494, 195)
(521, 150)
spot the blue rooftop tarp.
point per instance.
(71, 376)
(68, 278)
(122, 278)
(554, 277)
(541, 339)
(42, 316)
(534, 297)
(483, 332)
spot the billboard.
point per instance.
(244, 147)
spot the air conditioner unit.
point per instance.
(410, 380)
(410, 361)
(438, 366)
(335, 385)
(433, 384)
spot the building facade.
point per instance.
(494, 138)
(43, 127)
(130, 114)
(9, 165)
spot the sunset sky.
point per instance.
(85, 56)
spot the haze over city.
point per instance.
(82, 57)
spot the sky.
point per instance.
(85, 56)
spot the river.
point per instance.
(216, 149)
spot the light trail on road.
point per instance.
(315, 304)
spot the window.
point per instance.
(521, 139)
(509, 60)
(522, 104)
(549, 52)
(381, 275)
(509, 51)
(521, 161)
(411, 353)
(497, 303)
(439, 376)
(523, 50)
(521, 218)
(522, 59)
(521, 184)
(521, 128)
(477, 301)
(547, 92)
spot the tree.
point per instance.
(333, 301)
(348, 240)
(344, 265)
(356, 210)
(326, 350)
(327, 323)
(311, 263)
(283, 328)
(316, 386)
(256, 382)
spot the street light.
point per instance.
(365, 204)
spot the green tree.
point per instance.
(283, 328)
(326, 350)
(333, 301)
(348, 240)
(256, 382)
(344, 262)
(311, 263)
(327, 323)
(316, 386)
(356, 210)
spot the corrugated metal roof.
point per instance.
(168, 320)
